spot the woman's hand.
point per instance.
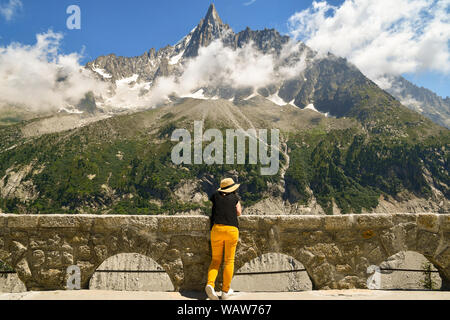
(238, 209)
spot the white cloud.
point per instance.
(249, 3)
(39, 78)
(218, 65)
(380, 37)
(8, 10)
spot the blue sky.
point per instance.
(131, 27)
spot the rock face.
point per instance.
(130, 281)
(328, 83)
(209, 29)
(10, 283)
(392, 279)
(421, 100)
(335, 250)
(279, 282)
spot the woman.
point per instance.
(224, 236)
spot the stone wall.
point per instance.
(335, 250)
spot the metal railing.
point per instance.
(241, 273)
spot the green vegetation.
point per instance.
(4, 268)
(428, 282)
(123, 164)
(354, 169)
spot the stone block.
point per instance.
(18, 249)
(86, 268)
(401, 237)
(37, 244)
(300, 223)
(51, 279)
(339, 222)
(23, 270)
(428, 222)
(427, 242)
(23, 221)
(54, 259)
(67, 248)
(3, 220)
(101, 252)
(399, 218)
(443, 258)
(373, 221)
(84, 253)
(4, 255)
(54, 242)
(351, 282)
(80, 240)
(444, 221)
(348, 235)
(149, 223)
(323, 275)
(81, 223)
(109, 224)
(182, 224)
(67, 259)
(38, 258)
(248, 222)
(343, 268)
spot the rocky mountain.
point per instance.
(346, 144)
(421, 100)
(327, 165)
(309, 87)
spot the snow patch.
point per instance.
(196, 95)
(127, 81)
(199, 94)
(71, 110)
(292, 103)
(311, 107)
(102, 72)
(176, 59)
(276, 99)
(254, 94)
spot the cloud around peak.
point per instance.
(380, 37)
(41, 78)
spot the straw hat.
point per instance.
(228, 185)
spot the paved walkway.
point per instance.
(305, 295)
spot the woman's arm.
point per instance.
(239, 209)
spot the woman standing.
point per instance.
(224, 236)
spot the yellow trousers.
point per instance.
(224, 239)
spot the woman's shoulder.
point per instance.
(213, 196)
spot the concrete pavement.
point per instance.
(304, 295)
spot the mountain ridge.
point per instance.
(169, 61)
(347, 146)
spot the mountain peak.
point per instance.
(212, 15)
(209, 29)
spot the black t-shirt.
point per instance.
(224, 209)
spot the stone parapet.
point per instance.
(335, 250)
